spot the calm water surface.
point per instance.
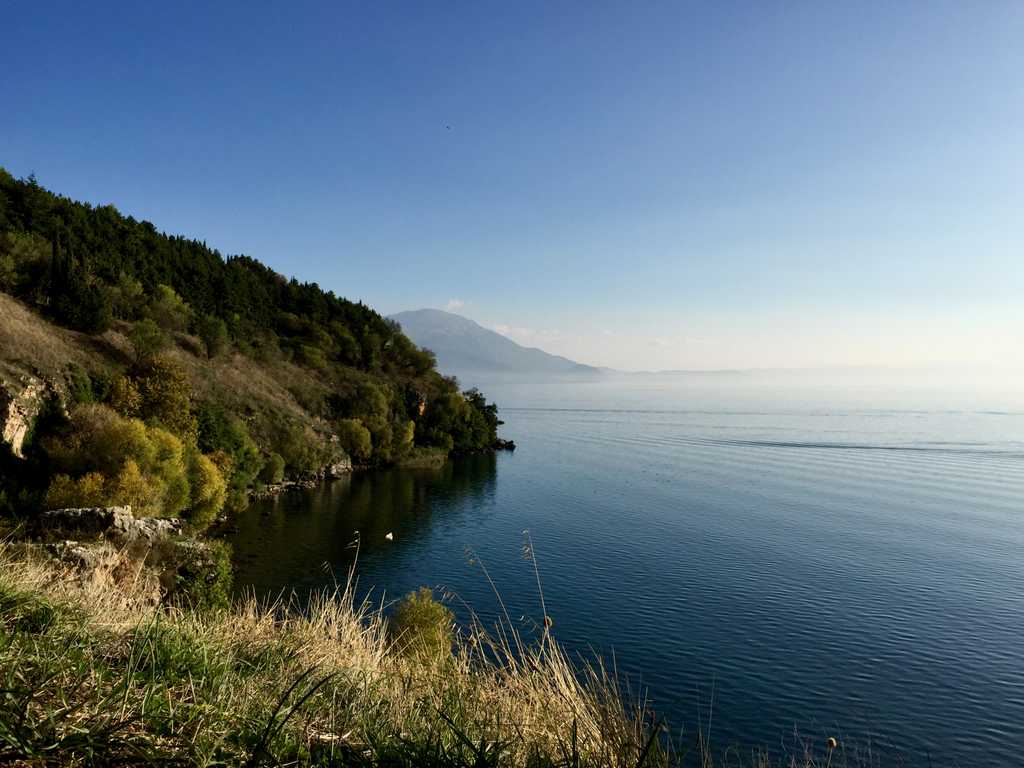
(827, 568)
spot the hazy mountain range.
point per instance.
(463, 346)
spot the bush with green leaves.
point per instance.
(166, 392)
(168, 310)
(214, 333)
(273, 469)
(404, 437)
(81, 388)
(461, 422)
(354, 438)
(208, 490)
(148, 338)
(204, 576)
(127, 297)
(304, 450)
(220, 430)
(421, 626)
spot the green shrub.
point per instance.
(166, 392)
(312, 357)
(222, 431)
(168, 310)
(98, 439)
(89, 490)
(404, 432)
(461, 422)
(273, 469)
(303, 449)
(355, 438)
(124, 396)
(422, 627)
(127, 297)
(80, 385)
(204, 576)
(132, 487)
(214, 333)
(148, 338)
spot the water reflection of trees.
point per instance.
(303, 539)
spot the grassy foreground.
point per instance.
(100, 678)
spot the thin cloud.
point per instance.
(454, 304)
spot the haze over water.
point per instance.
(831, 561)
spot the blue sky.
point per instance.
(642, 185)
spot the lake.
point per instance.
(799, 564)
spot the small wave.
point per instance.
(968, 449)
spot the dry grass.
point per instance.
(239, 383)
(29, 343)
(268, 683)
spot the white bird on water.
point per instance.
(389, 536)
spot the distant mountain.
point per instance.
(463, 346)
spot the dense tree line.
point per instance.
(89, 268)
(88, 264)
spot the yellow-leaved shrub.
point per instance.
(105, 458)
(208, 490)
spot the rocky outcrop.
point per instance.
(342, 466)
(20, 403)
(102, 547)
(114, 525)
(84, 522)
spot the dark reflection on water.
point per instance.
(301, 540)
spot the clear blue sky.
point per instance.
(644, 185)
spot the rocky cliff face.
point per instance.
(20, 403)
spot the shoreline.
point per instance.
(432, 460)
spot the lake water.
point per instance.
(821, 563)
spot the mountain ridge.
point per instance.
(462, 345)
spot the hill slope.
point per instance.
(462, 345)
(146, 368)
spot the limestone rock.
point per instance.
(107, 547)
(342, 466)
(81, 522)
(115, 524)
(20, 404)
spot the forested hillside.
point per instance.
(177, 379)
